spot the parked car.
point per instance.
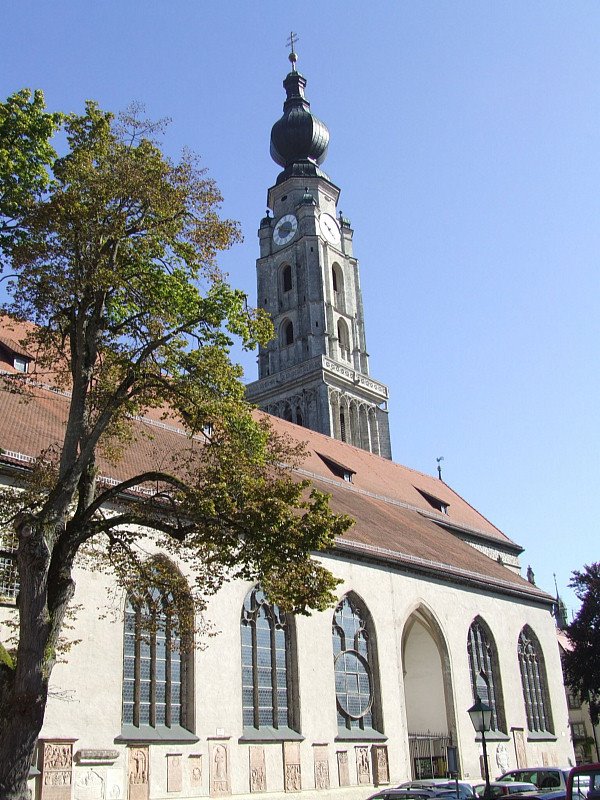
(465, 790)
(504, 788)
(445, 785)
(541, 777)
(584, 780)
(416, 793)
(556, 794)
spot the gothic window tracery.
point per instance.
(534, 682)
(267, 664)
(157, 672)
(355, 666)
(485, 672)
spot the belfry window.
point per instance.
(286, 278)
(343, 339)
(355, 666)
(267, 664)
(485, 672)
(288, 332)
(157, 677)
(534, 682)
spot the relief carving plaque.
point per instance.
(138, 775)
(114, 784)
(292, 779)
(343, 768)
(381, 770)
(195, 771)
(89, 784)
(219, 769)
(321, 759)
(258, 772)
(362, 765)
(57, 770)
(174, 772)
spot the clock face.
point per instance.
(285, 230)
(330, 228)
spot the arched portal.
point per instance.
(428, 696)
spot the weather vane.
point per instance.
(439, 466)
(293, 57)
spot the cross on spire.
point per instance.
(291, 41)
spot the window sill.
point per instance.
(369, 735)
(541, 736)
(268, 734)
(160, 734)
(493, 736)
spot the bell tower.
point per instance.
(315, 372)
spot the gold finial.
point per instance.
(293, 56)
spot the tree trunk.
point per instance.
(24, 689)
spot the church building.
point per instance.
(432, 610)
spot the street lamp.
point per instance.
(481, 717)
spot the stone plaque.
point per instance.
(138, 775)
(258, 772)
(219, 769)
(381, 770)
(292, 779)
(96, 756)
(57, 770)
(343, 768)
(89, 784)
(114, 784)
(520, 751)
(362, 765)
(321, 759)
(174, 772)
(195, 771)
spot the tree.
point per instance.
(116, 267)
(25, 154)
(582, 664)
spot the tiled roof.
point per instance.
(394, 521)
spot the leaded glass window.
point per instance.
(155, 668)
(535, 684)
(267, 686)
(354, 659)
(485, 674)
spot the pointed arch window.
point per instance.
(534, 682)
(485, 672)
(337, 282)
(286, 278)
(157, 663)
(343, 339)
(356, 669)
(287, 333)
(268, 665)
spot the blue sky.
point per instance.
(465, 137)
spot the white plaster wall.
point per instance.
(86, 691)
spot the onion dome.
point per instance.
(298, 140)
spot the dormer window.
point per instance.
(434, 502)
(21, 364)
(339, 470)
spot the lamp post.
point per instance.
(481, 717)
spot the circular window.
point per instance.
(353, 684)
